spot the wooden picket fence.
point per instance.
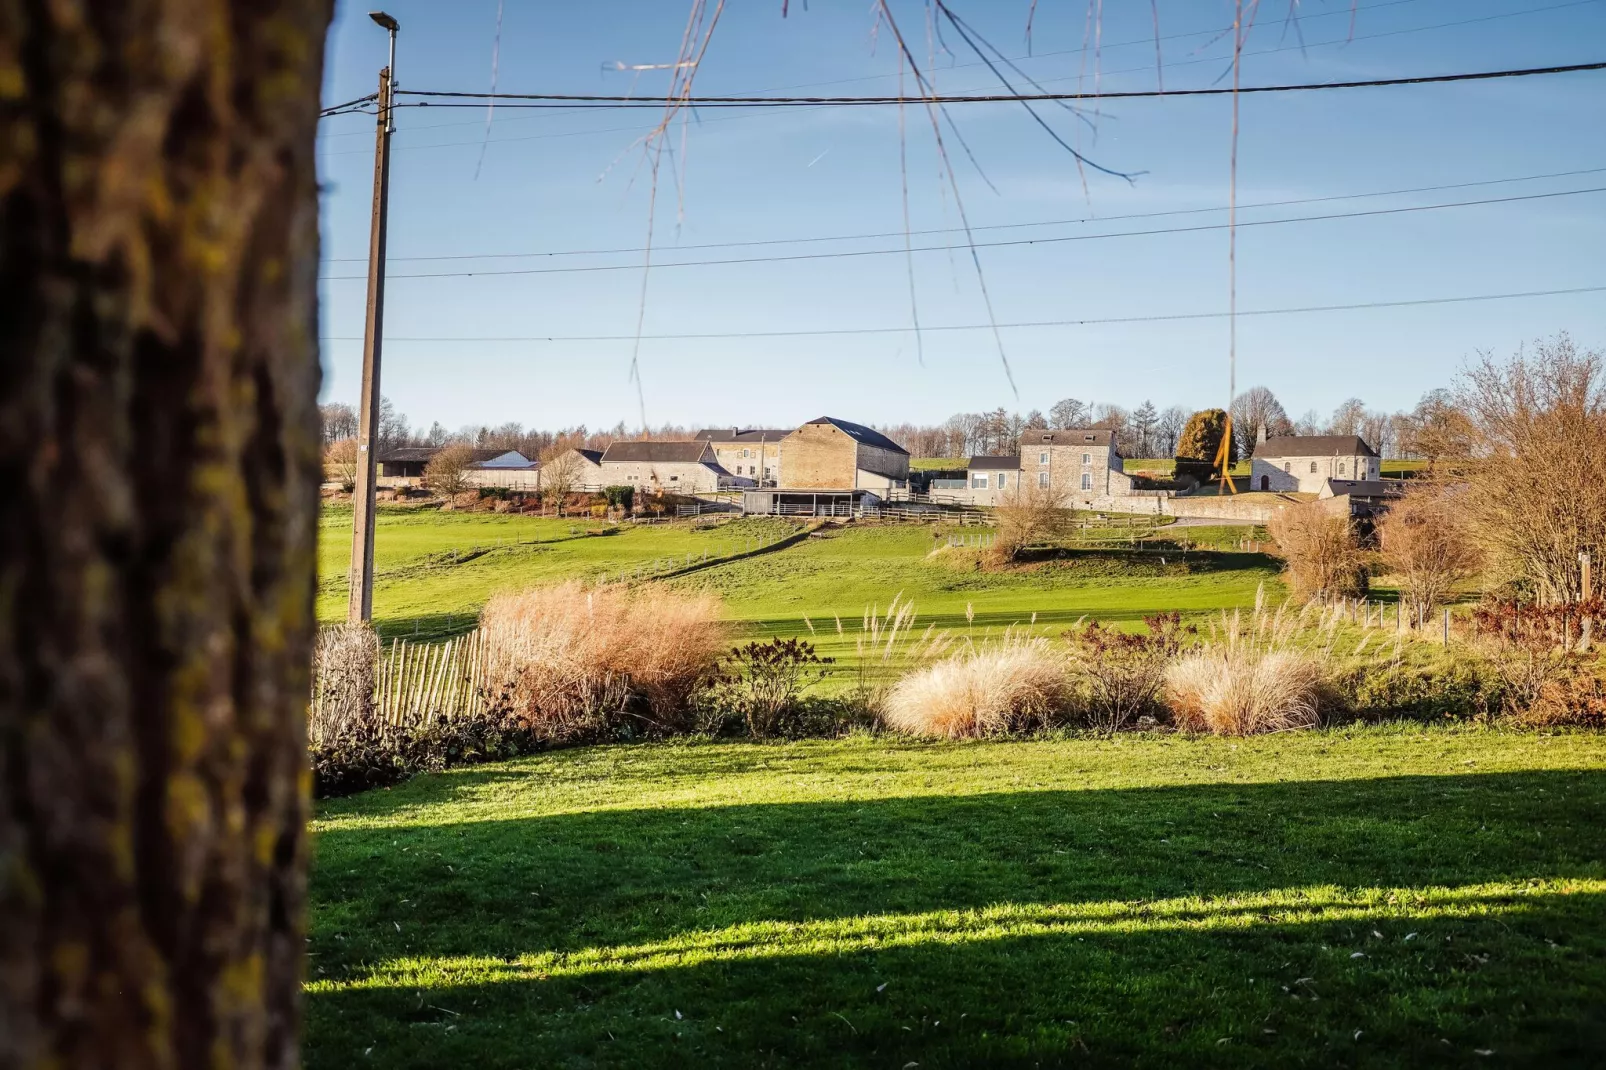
(416, 683)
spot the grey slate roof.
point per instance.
(425, 453)
(990, 464)
(656, 452)
(1075, 436)
(1366, 488)
(1314, 446)
(594, 456)
(859, 433)
(743, 434)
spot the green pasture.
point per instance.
(1385, 897)
(435, 570)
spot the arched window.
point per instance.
(1288, 467)
(1340, 467)
(1313, 468)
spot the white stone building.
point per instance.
(667, 467)
(1304, 463)
(754, 452)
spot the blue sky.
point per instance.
(565, 181)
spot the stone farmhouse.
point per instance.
(1080, 466)
(991, 479)
(751, 452)
(666, 467)
(841, 455)
(1294, 463)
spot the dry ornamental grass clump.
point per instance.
(1011, 684)
(568, 660)
(1263, 673)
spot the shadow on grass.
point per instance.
(1513, 972)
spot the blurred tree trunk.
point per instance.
(159, 467)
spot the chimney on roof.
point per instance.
(1260, 434)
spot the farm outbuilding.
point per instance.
(808, 502)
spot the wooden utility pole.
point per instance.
(360, 600)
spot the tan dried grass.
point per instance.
(1010, 684)
(568, 659)
(1262, 673)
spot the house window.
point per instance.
(1087, 438)
(1313, 468)
(1287, 467)
(1042, 479)
(979, 482)
(1087, 480)
(674, 479)
(1001, 481)
(746, 454)
(1087, 459)
(1340, 467)
(752, 469)
(1042, 458)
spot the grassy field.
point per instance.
(1380, 897)
(436, 569)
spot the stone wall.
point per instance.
(818, 455)
(677, 477)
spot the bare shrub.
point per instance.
(1538, 430)
(1263, 673)
(1426, 548)
(1012, 684)
(1027, 515)
(769, 680)
(1321, 556)
(344, 664)
(568, 661)
(1546, 679)
(341, 458)
(448, 472)
(1119, 675)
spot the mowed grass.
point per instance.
(435, 570)
(1379, 897)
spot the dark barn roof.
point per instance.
(656, 452)
(867, 436)
(424, 454)
(743, 434)
(1315, 446)
(988, 464)
(1073, 436)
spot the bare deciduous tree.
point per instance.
(161, 454)
(450, 471)
(1321, 557)
(1258, 408)
(560, 474)
(1028, 515)
(339, 421)
(1426, 548)
(341, 457)
(1538, 427)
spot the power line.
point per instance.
(349, 107)
(587, 100)
(992, 226)
(1302, 47)
(843, 254)
(1103, 47)
(1102, 321)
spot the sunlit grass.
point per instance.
(1390, 896)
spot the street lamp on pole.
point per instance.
(360, 602)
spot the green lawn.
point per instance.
(1381, 897)
(435, 570)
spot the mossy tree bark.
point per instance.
(158, 494)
